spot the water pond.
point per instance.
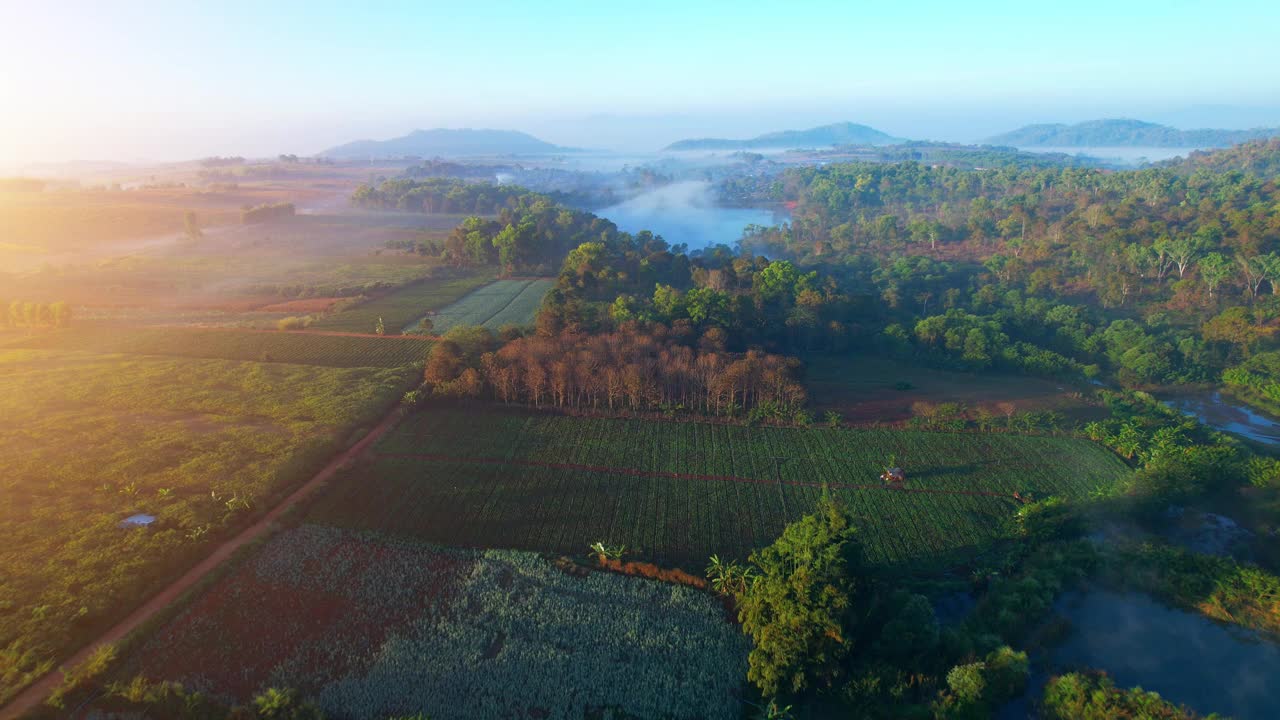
(1224, 414)
(1186, 657)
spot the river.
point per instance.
(1220, 413)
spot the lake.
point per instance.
(1186, 657)
(686, 212)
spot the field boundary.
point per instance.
(635, 472)
(306, 331)
(34, 695)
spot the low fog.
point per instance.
(686, 212)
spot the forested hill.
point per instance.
(1124, 133)
(444, 142)
(846, 133)
(1260, 158)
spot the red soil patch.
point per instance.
(653, 572)
(236, 634)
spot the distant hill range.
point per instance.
(443, 142)
(827, 135)
(1125, 133)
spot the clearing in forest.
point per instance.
(678, 492)
(503, 302)
(402, 307)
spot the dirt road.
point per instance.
(36, 693)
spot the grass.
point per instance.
(401, 307)
(678, 492)
(276, 347)
(203, 445)
(867, 389)
(374, 627)
(503, 302)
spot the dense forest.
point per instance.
(1158, 275)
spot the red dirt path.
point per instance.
(34, 694)
(684, 476)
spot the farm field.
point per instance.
(259, 346)
(678, 492)
(202, 445)
(374, 627)
(403, 306)
(502, 302)
(862, 390)
(217, 273)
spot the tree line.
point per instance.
(26, 314)
(267, 213)
(636, 368)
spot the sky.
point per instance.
(171, 80)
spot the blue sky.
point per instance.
(135, 80)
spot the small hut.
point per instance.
(893, 475)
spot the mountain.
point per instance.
(444, 142)
(1125, 133)
(837, 134)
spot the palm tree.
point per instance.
(729, 577)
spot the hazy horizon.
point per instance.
(137, 83)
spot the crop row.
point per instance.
(375, 627)
(678, 492)
(402, 307)
(228, 344)
(503, 302)
(999, 463)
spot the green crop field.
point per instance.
(373, 627)
(503, 302)
(202, 445)
(678, 492)
(402, 307)
(269, 346)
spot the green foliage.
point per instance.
(1053, 518)
(911, 631)
(75, 678)
(1014, 605)
(1093, 696)
(729, 577)
(403, 307)
(276, 704)
(1233, 592)
(199, 444)
(968, 682)
(798, 608)
(531, 475)
(503, 302)
(607, 552)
